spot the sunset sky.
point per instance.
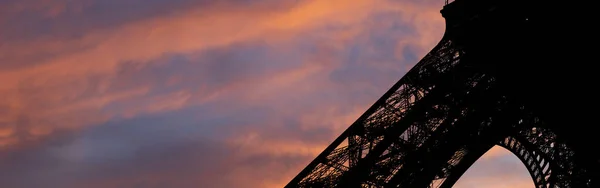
(201, 93)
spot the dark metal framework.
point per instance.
(456, 104)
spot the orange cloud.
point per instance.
(148, 39)
(53, 84)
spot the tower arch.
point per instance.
(497, 168)
(545, 157)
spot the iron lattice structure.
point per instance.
(488, 82)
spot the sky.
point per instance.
(201, 93)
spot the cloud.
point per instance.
(78, 74)
(82, 67)
(175, 149)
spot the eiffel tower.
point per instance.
(507, 73)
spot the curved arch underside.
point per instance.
(497, 168)
(537, 160)
(546, 158)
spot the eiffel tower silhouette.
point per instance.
(506, 72)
